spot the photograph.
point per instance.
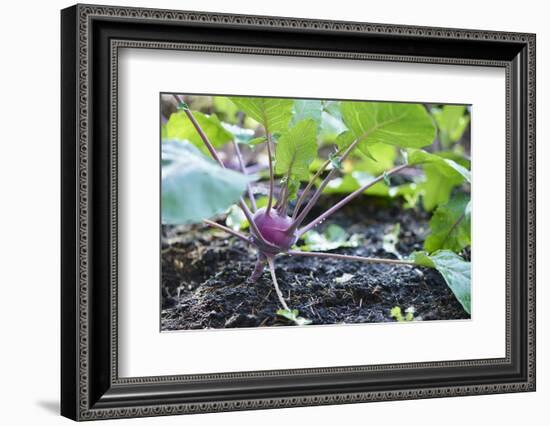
(307, 212)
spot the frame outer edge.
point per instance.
(69, 192)
(80, 318)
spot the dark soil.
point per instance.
(204, 277)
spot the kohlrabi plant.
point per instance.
(387, 137)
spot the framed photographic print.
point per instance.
(263, 212)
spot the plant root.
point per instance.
(276, 284)
(258, 269)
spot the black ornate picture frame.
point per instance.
(91, 37)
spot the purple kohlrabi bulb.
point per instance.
(273, 227)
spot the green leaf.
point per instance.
(447, 166)
(382, 158)
(296, 149)
(333, 108)
(257, 141)
(442, 175)
(293, 315)
(179, 127)
(452, 123)
(350, 182)
(333, 237)
(422, 259)
(274, 114)
(331, 122)
(409, 191)
(437, 188)
(240, 134)
(400, 124)
(225, 108)
(457, 274)
(455, 271)
(193, 186)
(293, 187)
(450, 226)
(456, 157)
(305, 109)
(398, 315)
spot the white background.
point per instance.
(29, 222)
(140, 343)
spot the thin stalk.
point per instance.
(283, 202)
(347, 199)
(201, 133)
(307, 188)
(280, 201)
(349, 257)
(243, 169)
(275, 284)
(311, 203)
(270, 200)
(228, 230)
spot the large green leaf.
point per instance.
(437, 187)
(456, 157)
(226, 109)
(455, 271)
(333, 108)
(273, 113)
(382, 158)
(350, 182)
(452, 123)
(307, 109)
(442, 175)
(193, 186)
(450, 226)
(447, 167)
(179, 127)
(296, 149)
(400, 124)
(331, 128)
(240, 134)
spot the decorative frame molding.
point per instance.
(91, 37)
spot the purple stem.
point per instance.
(307, 188)
(270, 200)
(229, 231)
(201, 133)
(318, 192)
(347, 199)
(243, 169)
(284, 195)
(349, 257)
